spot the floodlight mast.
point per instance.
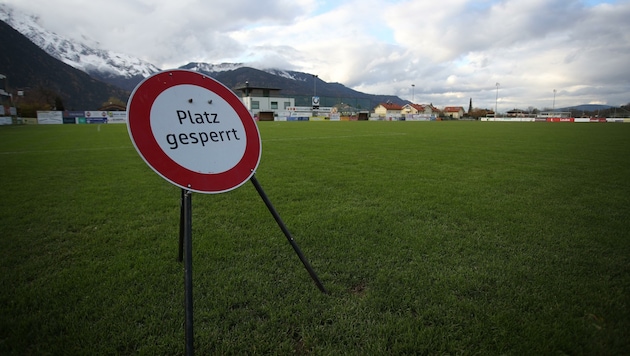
(496, 102)
(413, 93)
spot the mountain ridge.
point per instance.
(126, 72)
(94, 61)
(30, 68)
(586, 107)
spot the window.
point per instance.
(274, 105)
(255, 104)
(287, 104)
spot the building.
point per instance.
(7, 107)
(412, 109)
(429, 109)
(388, 110)
(454, 112)
(420, 109)
(264, 103)
(519, 113)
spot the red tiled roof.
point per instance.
(453, 109)
(391, 106)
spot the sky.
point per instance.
(506, 53)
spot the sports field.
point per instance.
(432, 238)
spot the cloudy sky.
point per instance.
(442, 52)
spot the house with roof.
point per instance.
(420, 109)
(420, 112)
(412, 109)
(388, 111)
(454, 112)
(431, 110)
(517, 113)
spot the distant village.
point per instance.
(267, 104)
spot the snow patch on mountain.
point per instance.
(211, 68)
(282, 73)
(224, 67)
(84, 53)
(76, 54)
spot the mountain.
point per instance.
(208, 68)
(115, 68)
(586, 108)
(301, 86)
(126, 72)
(28, 67)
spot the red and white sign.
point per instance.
(193, 131)
(96, 114)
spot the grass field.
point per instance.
(432, 238)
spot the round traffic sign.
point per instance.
(193, 131)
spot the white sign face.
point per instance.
(96, 114)
(49, 117)
(198, 129)
(193, 131)
(116, 117)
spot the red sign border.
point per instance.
(141, 134)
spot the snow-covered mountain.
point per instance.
(103, 64)
(124, 71)
(94, 61)
(211, 68)
(289, 74)
(215, 69)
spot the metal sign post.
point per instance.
(188, 280)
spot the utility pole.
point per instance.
(315, 101)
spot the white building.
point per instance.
(264, 103)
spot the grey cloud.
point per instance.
(450, 50)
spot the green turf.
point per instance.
(432, 238)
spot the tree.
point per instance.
(38, 99)
(59, 104)
(479, 113)
(114, 104)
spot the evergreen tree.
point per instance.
(59, 104)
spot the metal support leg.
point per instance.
(180, 253)
(288, 235)
(188, 281)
